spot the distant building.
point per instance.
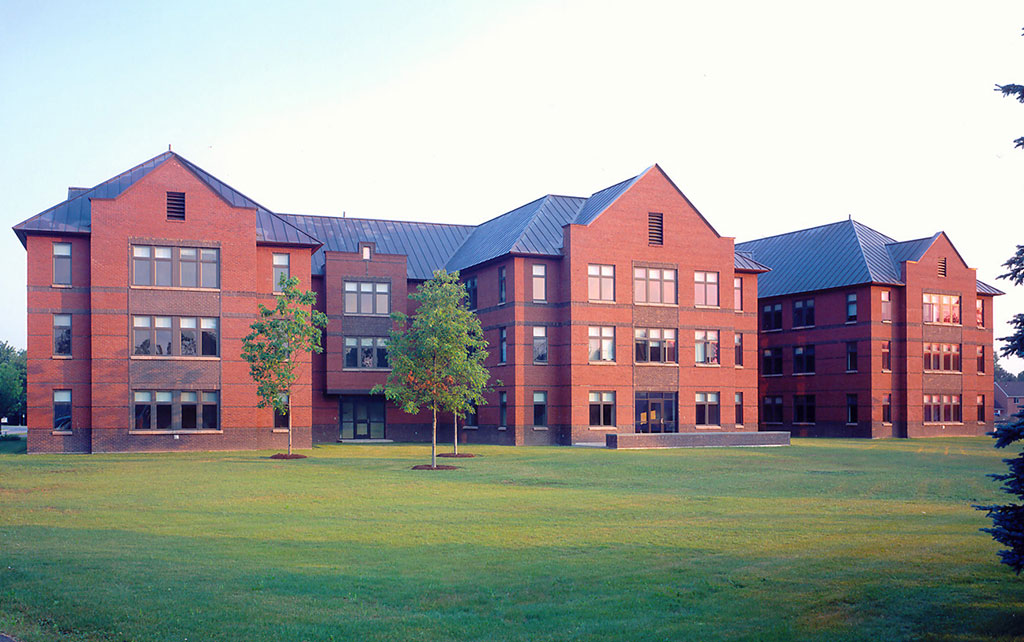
(864, 336)
(1009, 396)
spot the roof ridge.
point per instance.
(922, 238)
(378, 220)
(806, 229)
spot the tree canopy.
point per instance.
(13, 380)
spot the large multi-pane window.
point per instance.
(502, 345)
(656, 412)
(851, 408)
(540, 282)
(708, 409)
(366, 352)
(540, 408)
(887, 356)
(941, 308)
(282, 270)
(601, 343)
(471, 300)
(738, 343)
(62, 264)
(771, 361)
(705, 288)
(804, 409)
(502, 285)
(887, 306)
(654, 285)
(771, 409)
(601, 282)
(851, 356)
(771, 316)
(942, 356)
(363, 297)
(186, 267)
(803, 360)
(939, 408)
(176, 410)
(62, 410)
(655, 345)
(851, 307)
(706, 346)
(803, 313)
(62, 335)
(175, 336)
(737, 293)
(540, 344)
(602, 409)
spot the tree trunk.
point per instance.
(455, 441)
(433, 440)
(289, 422)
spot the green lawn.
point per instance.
(824, 540)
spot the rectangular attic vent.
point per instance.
(942, 266)
(655, 231)
(176, 206)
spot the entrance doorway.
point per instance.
(362, 417)
(656, 412)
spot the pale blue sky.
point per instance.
(770, 116)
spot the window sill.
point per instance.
(602, 428)
(948, 325)
(384, 315)
(539, 301)
(772, 423)
(172, 288)
(949, 372)
(850, 322)
(708, 365)
(706, 307)
(804, 374)
(739, 366)
(886, 320)
(279, 430)
(601, 301)
(502, 428)
(773, 374)
(62, 432)
(602, 362)
(171, 357)
(501, 363)
(366, 369)
(809, 423)
(852, 371)
(655, 364)
(884, 371)
(944, 423)
(707, 427)
(886, 423)
(657, 305)
(540, 363)
(772, 330)
(175, 432)
(803, 327)
(61, 286)
(61, 357)
(540, 427)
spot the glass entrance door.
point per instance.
(362, 417)
(656, 412)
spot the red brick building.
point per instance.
(623, 312)
(863, 336)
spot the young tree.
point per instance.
(13, 382)
(280, 334)
(437, 358)
(1008, 519)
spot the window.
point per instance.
(209, 261)
(601, 282)
(771, 361)
(175, 206)
(979, 305)
(282, 271)
(62, 410)
(142, 335)
(471, 293)
(655, 412)
(210, 411)
(602, 409)
(62, 335)
(655, 229)
(155, 265)
(851, 307)
(887, 408)
(367, 298)
(706, 346)
(738, 341)
(472, 416)
(540, 408)
(601, 343)
(886, 306)
(803, 360)
(737, 293)
(804, 409)
(886, 356)
(851, 409)
(652, 285)
(981, 408)
(851, 356)
(366, 252)
(540, 344)
(189, 410)
(771, 317)
(941, 308)
(942, 357)
(151, 265)
(208, 329)
(705, 288)
(501, 285)
(163, 266)
(164, 407)
(771, 410)
(708, 412)
(366, 352)
(189, 340)
(502, 408)
(281, 418)
(156, 336)
(942, 408)
(198, 267)
(981, 359)
(143, 410)
(803, 313)
(739, 408)
(188, 267)
(162, 333)
(62, 264)
(540, 285)
(503, 345)
(655, 345)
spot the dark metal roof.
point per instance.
(745, 262)
(985, 288)
(602, 200)
(427, 246)
(1012, 388)
(74, 216)
(832, 256)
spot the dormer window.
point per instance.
(366, 252)
(175, 206)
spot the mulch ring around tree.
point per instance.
(287, 456)
(429, 467)
(455, 455)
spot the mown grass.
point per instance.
(824, 540)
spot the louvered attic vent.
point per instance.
(942, 266)
(176, 206)
(655, 231)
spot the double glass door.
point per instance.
(362, 418)
(657, 412)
